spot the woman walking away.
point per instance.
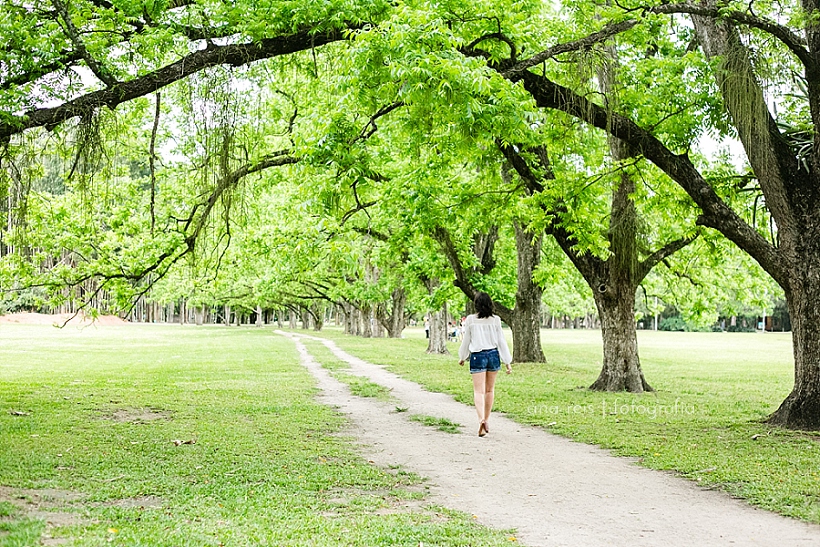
(486, 347)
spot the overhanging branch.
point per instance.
(213, 55)
(602, 35)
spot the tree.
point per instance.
(786, 173)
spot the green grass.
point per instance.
(442, 424)
(17, 530)
(266, 466)
(362, 387)
(705, 421)
(20, 532)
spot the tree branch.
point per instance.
(191, 231)
(495, 36)
(462, 278)
(531, 180)
(359, 207)
(375, 234)
(40, 70)
(587, 264)
(74, 35)
(795, 43)
(370, 127)
(231, 54)
(661, 254)
(609, 30)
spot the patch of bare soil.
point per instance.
(392, 504)
(51, 506)
(136, 415)
(60, 319)
(552, 491)
(142, 502)
(47, 505)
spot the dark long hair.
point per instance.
(483, 305)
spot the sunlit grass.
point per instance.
(178, 436)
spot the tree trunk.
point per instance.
(792, 199)
(621, 370)
(394, 322)
(319, 317)
(801, 409)
(525, 318)
(366, 329)
(347, 308)
(355, 320)
(438, 332)
(259, 321)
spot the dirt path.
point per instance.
(553, 491)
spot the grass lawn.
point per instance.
(176, 436)
(704, 421)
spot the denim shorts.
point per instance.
(486, 360)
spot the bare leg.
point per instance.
(479, 379)
(489, 394)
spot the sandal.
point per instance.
(482, 429)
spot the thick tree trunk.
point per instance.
(394, 323)
(525, 319)
(349, 318)
(378, 329)
(318, 316)
(355, 321)
(366, 325)
(621, 369)
(614, 289)
(792, 198)
(438, 333)
(801, 409)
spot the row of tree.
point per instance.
(385, 154)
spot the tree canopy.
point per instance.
(352, 152)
